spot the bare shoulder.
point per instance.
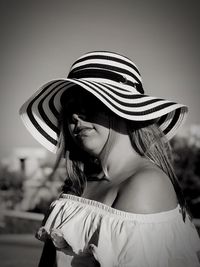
(148, 191)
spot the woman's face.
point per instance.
(88, 121)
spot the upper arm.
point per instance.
(148, 191)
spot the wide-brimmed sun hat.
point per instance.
(115, 81)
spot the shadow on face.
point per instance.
(78, 101)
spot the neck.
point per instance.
(122, 160)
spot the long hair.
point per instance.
(147, 140)
(80, 166)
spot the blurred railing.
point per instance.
(19, 222)
(22, 214)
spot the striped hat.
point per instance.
(115, 81)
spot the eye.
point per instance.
(84, 104)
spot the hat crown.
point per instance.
(109, 66)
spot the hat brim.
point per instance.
(40, 113)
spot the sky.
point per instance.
(41, 39)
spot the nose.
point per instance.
(77, 117)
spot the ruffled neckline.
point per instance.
(102, 208)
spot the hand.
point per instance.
(42, 234)
(58, 239)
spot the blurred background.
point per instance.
(39, 42)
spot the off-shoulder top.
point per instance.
(117, 238)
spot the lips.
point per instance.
(82, 130)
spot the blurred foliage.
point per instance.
(34, 192)
(11, 186)
(10, 179)
(14, 225)
(42, 188)
(187, 168)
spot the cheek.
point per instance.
(102, 131)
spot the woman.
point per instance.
(121, 203)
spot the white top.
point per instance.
(118, 238)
